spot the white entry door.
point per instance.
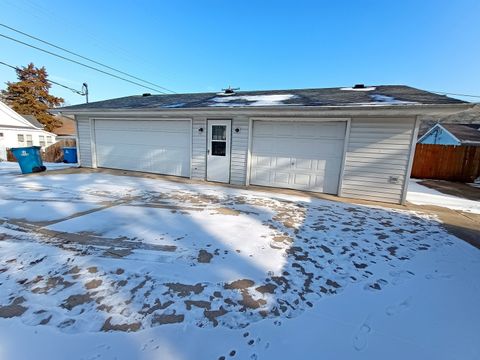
(298, 155)
(218, 150)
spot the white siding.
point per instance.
(199, 148)
(378, 150)
(238, 167)
(84, 144)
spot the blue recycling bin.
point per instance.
(70, 155)
(29, 159)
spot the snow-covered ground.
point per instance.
(423, 195)
(12, 168)
(114, 267)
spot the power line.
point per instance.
(84, 57)
(50, 81)
(82, 64)
(448, 93)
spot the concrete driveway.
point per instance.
(96, 252)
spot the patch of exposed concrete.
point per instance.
(212, 315)
(204, 256)
(197, 303)
(184, 290)
(163, 319)
(239, 284)
(76, 300)
(147, 309)
(93, 284)
(108, 326)
(52, 283)
(14, 309)
(227, 211)
(266, 289)
(249, 302)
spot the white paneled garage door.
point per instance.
(156, 146)
(298, 155)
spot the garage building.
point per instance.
(355, 142)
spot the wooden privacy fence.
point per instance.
(446, 162)
(52, 153)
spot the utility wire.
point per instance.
(50, 81)
(79, 63)
(447, 93)
(85, 58)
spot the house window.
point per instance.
(1, 135)
(41, 140)
(29, 140)
(49, 140)
(21, 139)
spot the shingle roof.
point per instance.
(33, 120)
(67, 128)
(370, 96)
(464, 132)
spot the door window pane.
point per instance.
(219, 132)
(219, 148)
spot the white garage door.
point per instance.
(161, 147)
(298, 155)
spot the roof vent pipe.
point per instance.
(230, 90)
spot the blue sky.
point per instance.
(197, 46)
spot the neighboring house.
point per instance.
(68, 129)
(452, 134)
(18, 131)
(352, 142)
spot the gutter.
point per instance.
(427, 109)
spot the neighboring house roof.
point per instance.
(68, 127)
(11, 119)
(384, 95)
(33, 120)
(462, 133)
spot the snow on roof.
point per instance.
(368, 88)
(251, 100)
(383, 99)
(388, 95)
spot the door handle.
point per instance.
(208, 152)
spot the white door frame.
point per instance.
(252, 120)
(218, 166)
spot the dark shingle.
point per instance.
(33, 120)
(464, 132)
(379, 95)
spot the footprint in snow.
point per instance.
(398, 308)
(438, 275)
(361, 339)
(400, 276)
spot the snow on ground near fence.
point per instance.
(12, 168)
(116, 267)
(423, 195)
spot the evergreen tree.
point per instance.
(30, 95)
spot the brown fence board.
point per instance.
(446, 162)
(52, 153)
